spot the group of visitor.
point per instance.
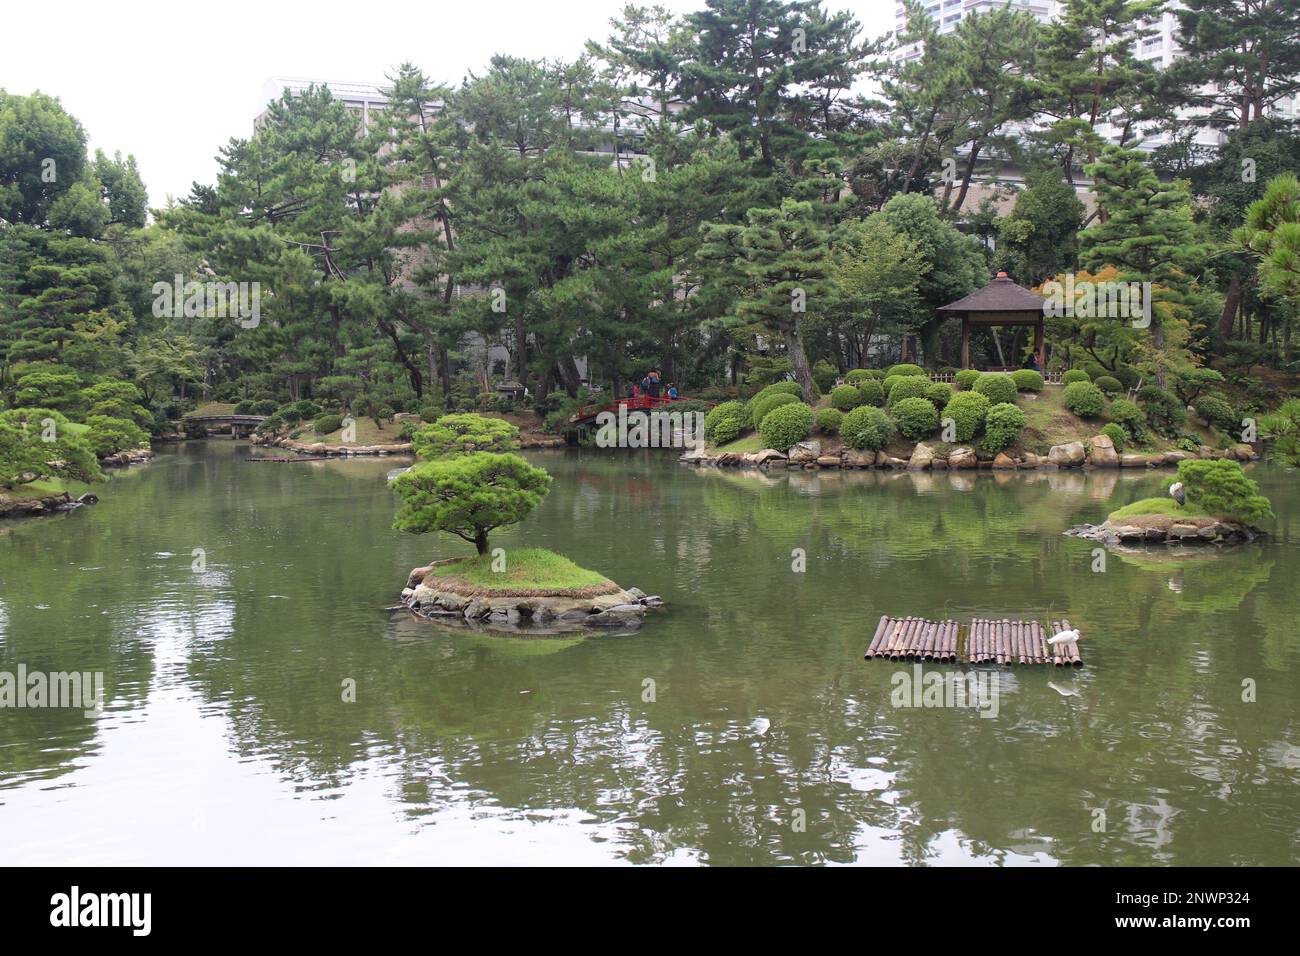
(651, 384)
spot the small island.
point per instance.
(1219, 506)
(469, 483)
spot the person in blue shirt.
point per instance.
(672, 392)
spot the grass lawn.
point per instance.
(367, 433)
(743, 444)
(525, 568)
(1160, 506)
(37, 489)
(213, 408)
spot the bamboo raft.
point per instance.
(979, 642)
(295, 458)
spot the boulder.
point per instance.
(1004, 462)
(829, 461)
(939, 464)
(858, 459)
(417, 576)
(1242, 452)
(805, 452)
(1175, 456)
(922, 457)
(891, 462)
(1134, 460)
(963, 458)
(766, 455)
(1101, 452)
(1068, 455)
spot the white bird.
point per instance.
(1064, 637)
(1176, 492)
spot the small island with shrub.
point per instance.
(467, 483)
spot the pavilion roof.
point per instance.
(1000, 295)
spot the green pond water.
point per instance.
(739, 726)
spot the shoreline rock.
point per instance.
(526, 613)
(1147, 529)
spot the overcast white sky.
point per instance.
(172, 81)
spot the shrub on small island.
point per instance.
(909, 386)
(939, 394)
(968, 411)
(906, 368)
(967, 378)
(1109, 384)
(1075, 375)
(867, 427)
(846, 397)
(1084, 399)
(454, 434)
(917, 418)
(828, 420)
(785, 425)
(1117, 435)
(1002, 427)
(997, 387)
(1220, 487)
(1027, 379)
(873, 393)
(24, 449)
(760, 408)
(468, 495)
(1217, 412)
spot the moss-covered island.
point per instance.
(469, 483)
(1219, 505)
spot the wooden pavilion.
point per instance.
(1000, 303)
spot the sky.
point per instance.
(173, 80)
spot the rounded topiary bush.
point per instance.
(910, 386)
(890, 381)
(1116, 434)
(725, 430)
(997, 387)
(967, 411)
(846, 397)
(1028, 379)
(1002, 426)
(1084, 399)
(1075, 375)
(873, 393)
(785, 425)
(917, 418)
(760, 408)
(1109, 384)
(732, 413)
(327, 424)
(828, 420)
(1217, 412)
(858, 375)
(824, 375)
(244, 407)
(867, 427)
(905, 368)
(266, 406)
(939, 394)
(967, 378)
(1128, 416)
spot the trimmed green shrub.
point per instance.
(1128, 376)
(910, 386)
(265, 406)
(824, 375)
(464, 433)
(997, 387)
(431, 413)
(1128, 416)
(1002, 427)
(867, 427)
(759, 408)
(1075, 375)
(845, 397)
(906, 369)
(968, 411)
(725, 430)
(733, 412)
(1028, 379)
(1222, 488)
(967, 378)
(828, 420)
(244, 407)
(890, 381)
(1165, 413)
(1109, 384)
(1095, 370)
(939, 394)
(916, 417)
(108, 436)
(863, 374)
(873, 393)
(1217, 412)
(326, 424)
(1084, 399)
(1117, 435)
(785, 425)
(783, 386)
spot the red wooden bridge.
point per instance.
(586, 415)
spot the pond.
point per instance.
(230, 605)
